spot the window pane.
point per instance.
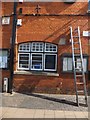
(69, 64)
(37, 47)
(3, 59)
(24, 47)
(50, 47)
(65, 64)
(24, 61)
(37, 62)
(50, 62)
(78, 64)
(85, 64)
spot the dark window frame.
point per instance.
(68, 55)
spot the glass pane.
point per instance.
(24, 47)
(85, 64)
(37, 47)
(65, 64)
(23, 60)
(50, 47)
(50, 62)
(3, 59)
(78, 64)
(69, 64)
(36, 61)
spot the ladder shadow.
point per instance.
(64, 101)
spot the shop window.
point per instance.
(37, 56)
(68, 64)
(3, 59)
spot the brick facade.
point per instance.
(52, 24)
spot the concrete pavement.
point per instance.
(8, 112)
(42, 106)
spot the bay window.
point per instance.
(37, 56)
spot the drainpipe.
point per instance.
(13, 37)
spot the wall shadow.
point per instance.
(63, 101)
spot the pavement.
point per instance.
(37, 105)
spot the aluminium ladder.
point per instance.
(79, 73)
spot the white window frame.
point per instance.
(38, 46)
(49, 50)
(23, 44)
(32, 61)
(55, 63)
(43, 53)
(18, 62)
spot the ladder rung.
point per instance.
(75, 36)
(80, 91)
(78, 61)
(76, 30)
(77, 55)
(76, 42)
(79, 83)
(76, 48)
(79, 75)
(78, 68)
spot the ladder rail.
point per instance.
(84, 81)
(74, 54)
(73, 60)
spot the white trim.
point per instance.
(32, 60)
(55, 63)
(43, 53)
(18, 61)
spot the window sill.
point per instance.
(35, 73)
(71, 72)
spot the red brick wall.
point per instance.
(46, 28)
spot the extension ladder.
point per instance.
(79, 74)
